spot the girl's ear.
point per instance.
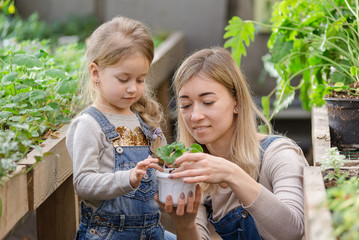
(94, 73)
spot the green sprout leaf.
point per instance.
(170, 152)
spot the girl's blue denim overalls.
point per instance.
(238, 224)
(135, 215)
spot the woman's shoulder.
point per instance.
(283, 149)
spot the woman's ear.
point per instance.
(94, 73)
(235, 109)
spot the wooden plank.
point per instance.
(320, 133)
(167, 58)
(13, 195)
(58, 217)
(318, 220)
(51, 172)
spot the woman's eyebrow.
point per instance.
(206, 93)
(200, 95)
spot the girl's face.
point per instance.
(207, 109)
(121, 85)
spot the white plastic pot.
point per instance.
(173, 187)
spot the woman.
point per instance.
(251, 183)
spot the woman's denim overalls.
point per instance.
(135, 215)
(238, 224)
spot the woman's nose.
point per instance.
(197, 113)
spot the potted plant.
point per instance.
(313, 48)
(167, 154)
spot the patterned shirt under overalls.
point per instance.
(135, 215)
(238, 224)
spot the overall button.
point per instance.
(92, 231)
(244, 214)
(145, 176)
(96, 218)
(119, 150)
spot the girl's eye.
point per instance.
(122, 80)
(140, 80)
(208, 103)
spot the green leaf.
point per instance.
(67, 86)
(170, 152)
(26, 60)
(37, 95)
(9, 78)
(239, 34)
(55, 73)
(195, 147)
(265, 106)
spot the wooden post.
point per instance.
(320, 133)
(318, 221)
(57, 217)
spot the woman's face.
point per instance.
(208, 110)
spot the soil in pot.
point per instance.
(343, 115)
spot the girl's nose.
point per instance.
(131, 88)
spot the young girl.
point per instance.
(251, 182)
(112, 141)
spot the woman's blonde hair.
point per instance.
(110, 43)
(218, 64)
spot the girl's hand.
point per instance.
(183, 214)
(203, 167)
(140, 170)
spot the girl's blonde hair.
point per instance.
(218, 64)
(112, 42)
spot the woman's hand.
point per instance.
(202, 167)
(140, 170)
(183, 215)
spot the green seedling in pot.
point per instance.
(170, 152)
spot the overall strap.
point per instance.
(106, 126)
(263, 146)
(146, 129)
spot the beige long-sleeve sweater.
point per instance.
(278, 209)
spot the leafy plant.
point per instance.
(37, 86)
(333, 159)
(313, 41)
(343, 197)
(170, 152)
(343, 202)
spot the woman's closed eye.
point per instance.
(183, 106)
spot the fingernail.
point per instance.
(174, 165)
(182, 196)
(190, 194)
(170, 176)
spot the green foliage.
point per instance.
(314, 41)
(343, 198)
(343, 202)
(170, 152)
(13, 26)
(37, 86)
(333, 159)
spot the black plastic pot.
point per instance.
(343, 115)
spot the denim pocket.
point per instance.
(148, 187)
